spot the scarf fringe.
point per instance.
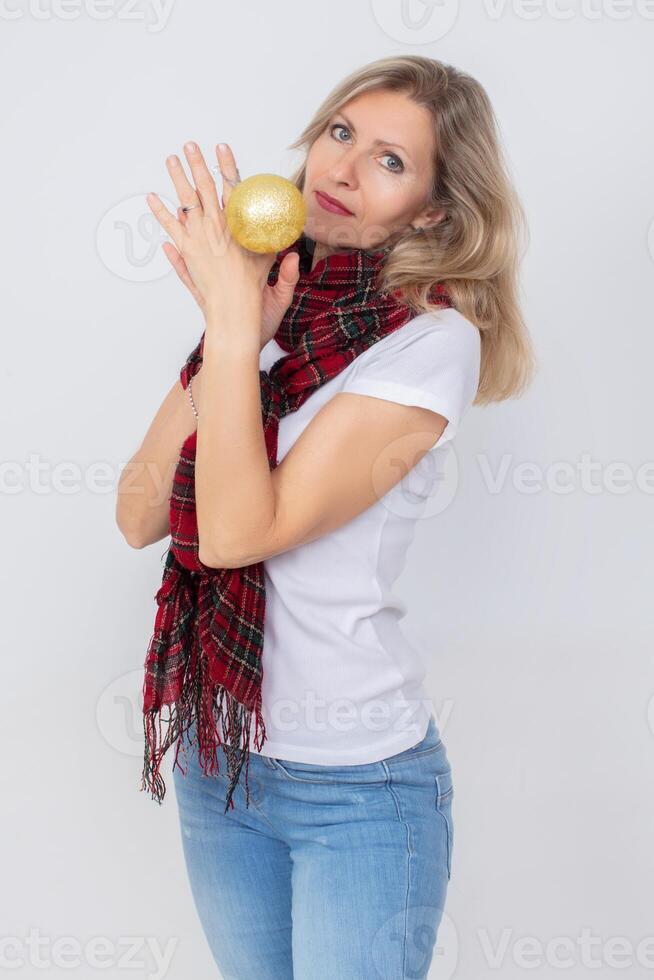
(213, 708)
(208, 742)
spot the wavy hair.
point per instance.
(476, 248)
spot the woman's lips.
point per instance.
(328, 204)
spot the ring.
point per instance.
(230, 180)
(189, 207)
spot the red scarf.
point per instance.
(204, 658)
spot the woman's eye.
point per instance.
(394, 170)
(338, 126)
(397, 170)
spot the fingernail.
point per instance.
(222, 147)
(191, 147)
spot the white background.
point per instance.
(533, 605)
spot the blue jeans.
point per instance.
(331, 873)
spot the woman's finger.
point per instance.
(228, 169)
(180, 267)
(177, 262)
(186, 192)
(168, 221)
(204, 182)
(289, 273)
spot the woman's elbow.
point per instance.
(133, 529)
(133, 535)
(212, 559)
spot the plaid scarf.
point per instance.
(204, 657)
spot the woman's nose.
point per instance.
(345, 172)
(350, 164)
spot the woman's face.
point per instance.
(375, 158)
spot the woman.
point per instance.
(394, 311)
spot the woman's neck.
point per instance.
(321, 251)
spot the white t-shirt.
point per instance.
(342, 685)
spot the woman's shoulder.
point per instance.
(434, 340)
(439, 327)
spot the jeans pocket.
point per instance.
(444, 795)
(368, 774)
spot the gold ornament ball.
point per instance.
(266, 213)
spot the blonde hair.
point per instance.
(475, 249)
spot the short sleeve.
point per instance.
(432, 361)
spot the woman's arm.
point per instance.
(353, 452)
(146, 482)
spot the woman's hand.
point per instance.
(217, 270)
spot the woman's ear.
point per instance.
(431, 217)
